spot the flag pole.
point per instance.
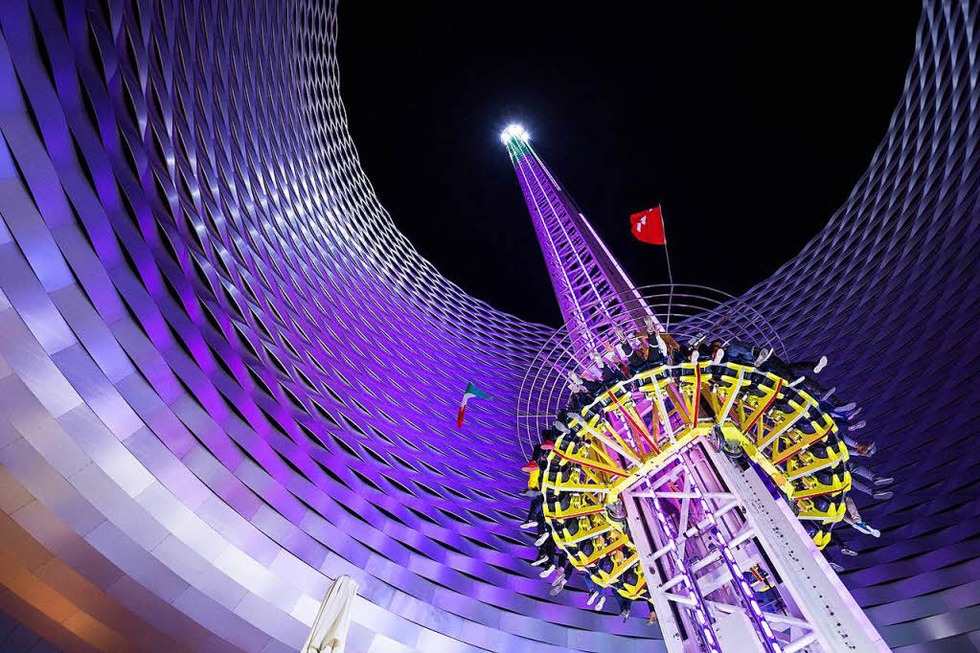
(670, 275)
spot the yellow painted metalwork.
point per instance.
(811, 487)
(625, 435)
(833, 514)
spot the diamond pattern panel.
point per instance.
(226, 378)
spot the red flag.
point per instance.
(648, 226)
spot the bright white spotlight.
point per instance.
(514, 131)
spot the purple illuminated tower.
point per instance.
(593, 291)
(226, 378)
(634, 472)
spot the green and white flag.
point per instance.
(471, 391)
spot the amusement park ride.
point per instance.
(704, 486)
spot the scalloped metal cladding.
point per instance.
(226, 379)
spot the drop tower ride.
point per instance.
(690, 484)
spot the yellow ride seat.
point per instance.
(579, 506)
(636, 590)
(793, 443)
(613, 544)
(831, 515)
(809, 487)
(821, 539)
(805, 463)
(585, 531)
(620, 565)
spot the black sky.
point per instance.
(751, 125)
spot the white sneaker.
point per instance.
(598, 606)
(822, 363)
(592, 597)
(836, 567)
(558, 587)
(547, 572)
(541, 540)
(540, 561)
(719, 355)
(857, 427)
(763, 357)
(694, 356)
(529, 524)
(866, 529)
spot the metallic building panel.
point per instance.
(225, 377)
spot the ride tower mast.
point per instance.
(710, 536)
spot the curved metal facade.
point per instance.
(890, 292)
(226, 378)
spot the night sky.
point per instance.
(750, 126)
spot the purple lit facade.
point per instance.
(225, 378)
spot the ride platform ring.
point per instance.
(628, 430)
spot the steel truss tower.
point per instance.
(593, 291)
(695, 557)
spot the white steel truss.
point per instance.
(729, 567)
